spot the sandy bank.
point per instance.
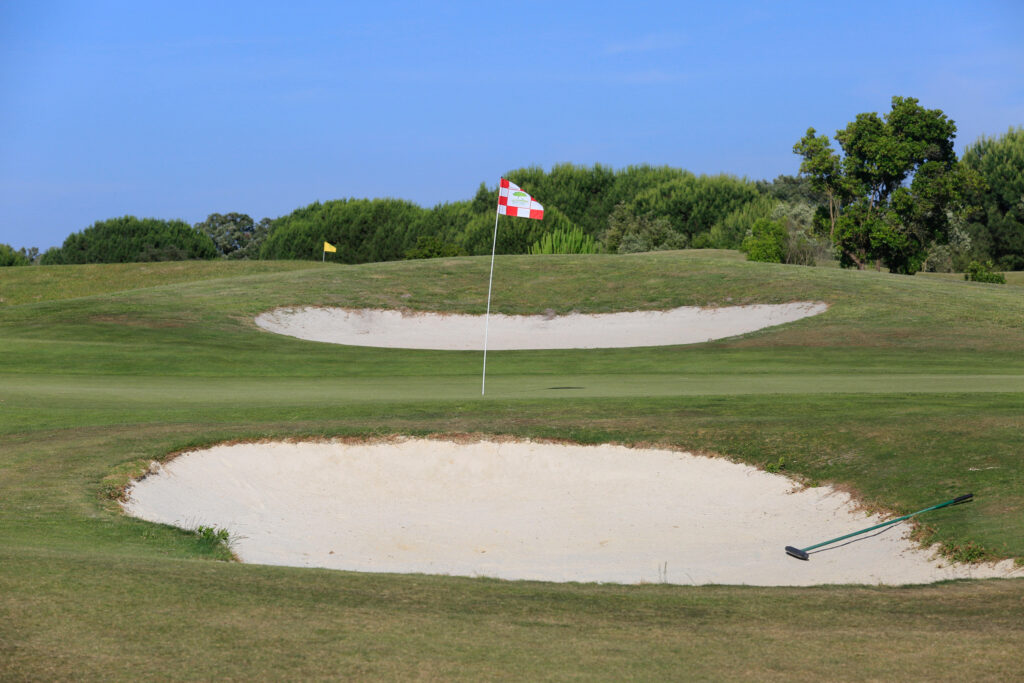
(407, 330)
(527, 510)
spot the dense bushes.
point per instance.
(637, 208)
(10, 257)
(363, 230)
(130, 239)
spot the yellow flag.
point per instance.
(329, 247)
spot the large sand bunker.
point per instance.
(410, 330)
(527, 510)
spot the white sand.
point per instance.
(408, 330)
(528, 510)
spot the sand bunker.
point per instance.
(527, 510)
(407, 330)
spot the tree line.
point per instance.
(893, 196)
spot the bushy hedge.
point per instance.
(129, 239)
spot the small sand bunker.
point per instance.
(526, 510)
(407, 330)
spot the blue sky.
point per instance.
(179, 110)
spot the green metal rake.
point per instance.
(801, 553)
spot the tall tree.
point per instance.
(876, 215)
(824, 168)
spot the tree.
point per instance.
(10, 257)
(874, 214)
(1000, 164)
(235, 235)
(824, 169)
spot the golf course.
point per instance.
(904, 391)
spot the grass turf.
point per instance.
(907, 391)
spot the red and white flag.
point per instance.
(512, 201)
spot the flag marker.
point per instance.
(512, 201)
(328, 247)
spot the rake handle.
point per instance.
(958, 499)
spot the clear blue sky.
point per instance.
(180, 109)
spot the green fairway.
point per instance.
(906, 391)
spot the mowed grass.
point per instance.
(30, 285)
(906, 392)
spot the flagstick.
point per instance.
(487, 317)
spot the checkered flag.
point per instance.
(512, 201)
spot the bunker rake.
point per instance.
(802, 553)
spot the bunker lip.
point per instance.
(454, 331)
(526, 510)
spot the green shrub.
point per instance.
(565, 242)
(984, 272)
(766, 242)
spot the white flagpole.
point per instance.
(490, 281)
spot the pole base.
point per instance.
(797, 553)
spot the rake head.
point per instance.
(797, 553)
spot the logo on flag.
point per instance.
(512, 201)
(329, 247)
